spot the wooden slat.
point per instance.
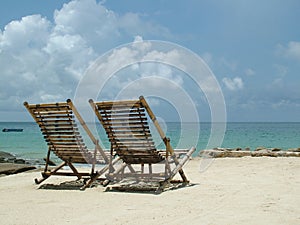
(50, 113)
(121, 111)
(130, 123)
(69, 145)
(56, 116)
(53, 132)
(46, 105)
(133, 146)
(66, 144)
(58, 129)
(129, 134)
(118, 103)
(53, 135)
(74, 154)
(56, 121)
(63, 137)
(122, 128)
(53, 122)
(124, 115)
(123, 119)
(132, 143)
(138, 152)
(53, 139)
(124, 148)
(151, 160)
(50, 124)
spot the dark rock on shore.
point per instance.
(12, 168)
(6, 157)
(10, 164)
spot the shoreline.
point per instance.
(10, 164)
(246, 190)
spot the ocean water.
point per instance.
(30, 143)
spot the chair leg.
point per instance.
(99, 173)
(38, 181)
(177, 169)
(46, 174)
(75, 171)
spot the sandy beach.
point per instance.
(244, 190)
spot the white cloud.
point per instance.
(292, 50)
(93, 22)
(42, 60)
(30, 32)
(233, 84)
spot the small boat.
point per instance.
(12, 130)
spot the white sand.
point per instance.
(231, 191)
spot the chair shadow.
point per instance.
(143, 188)
(67, 185)
(129, 187)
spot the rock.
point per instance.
(2, 160)
(11, 168)
(263, 152)
(247, 149)
(281, 153)
(240, 154)
(222, 154)
(294, 150)
(6, 157)
(275, 149)
(238, 149)
(259, 148)
(219, 149)
(19, 161)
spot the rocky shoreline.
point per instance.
(258, 152)
(10, 164)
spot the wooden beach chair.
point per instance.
(127, 128)
(60, 131)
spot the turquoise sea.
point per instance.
(30, 144)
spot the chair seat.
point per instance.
(140, 157)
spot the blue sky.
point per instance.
(252, 47)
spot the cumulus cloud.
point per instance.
(42, 60)
(143, 62)
(292, 50)
(233, 84)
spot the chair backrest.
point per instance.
(59, 128)
(128, 131)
